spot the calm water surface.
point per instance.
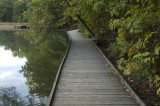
(27, 71)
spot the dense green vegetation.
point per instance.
(12, 10)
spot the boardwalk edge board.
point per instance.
(58, 73)
(120, 76)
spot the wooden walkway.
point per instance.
(86, 79)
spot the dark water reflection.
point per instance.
(29, 82)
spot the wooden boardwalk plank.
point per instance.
(58, 104)
(86, 79)
(96, 102)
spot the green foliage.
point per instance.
(18, 9)
(46, 16)
(12, 10)
(139, 28)
(94, 16)
(6, 10)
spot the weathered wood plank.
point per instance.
(96, 102)
(85, 74)
(95, 93)
(88, 80)
(57, 104)
(92, 92)
(88, 98)
(89, 71)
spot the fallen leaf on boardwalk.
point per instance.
(115, 73)
(127, 90)
(158, 91)
(58, 85)
(131, 80)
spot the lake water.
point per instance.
(27, 70)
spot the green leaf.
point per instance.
(158, 91)
(141, 55)
(138, 30)
(156, 50)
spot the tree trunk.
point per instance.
(81, 20)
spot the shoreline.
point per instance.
(12, 26)
(10, 23)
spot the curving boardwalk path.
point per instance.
(86, 79)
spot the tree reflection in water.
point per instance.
(10, 97)
(43, 61)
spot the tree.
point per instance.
(6, 10)
(19, 7)
(12, 10)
